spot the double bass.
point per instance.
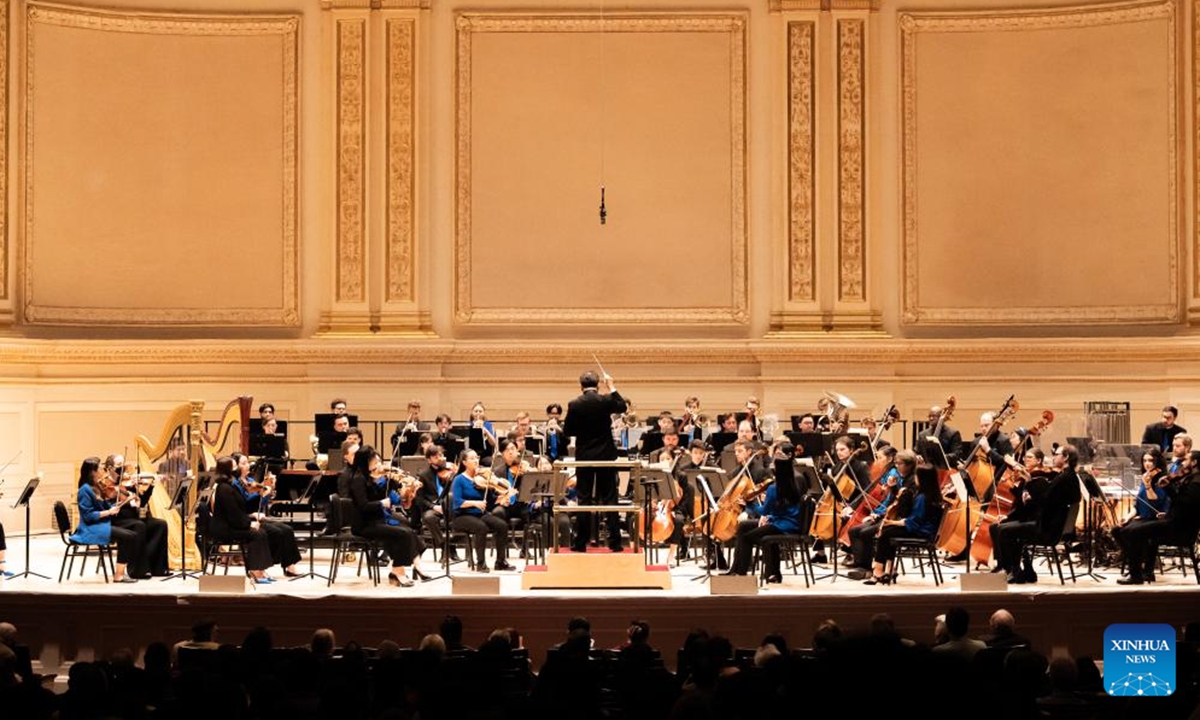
(1002, 500)
(962, 513)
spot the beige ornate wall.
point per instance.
(386, 199)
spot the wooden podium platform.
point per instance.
(596, 570)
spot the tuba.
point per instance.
(837, 408)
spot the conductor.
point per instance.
(589, 421)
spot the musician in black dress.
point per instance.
(230, 523)
(1028, 489)
(153, 559)
(1178, 525)
(589, 421)
(280, 536)
(370, 508)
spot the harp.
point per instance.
(183, 448)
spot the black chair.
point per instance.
(102, 553)
(1055, 552)
(921, 550)
(1181, 553)
(340, 510)
(790, 545)
(212, 550)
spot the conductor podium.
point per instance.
(593, 570)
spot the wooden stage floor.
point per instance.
(83, 617)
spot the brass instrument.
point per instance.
(836, 408)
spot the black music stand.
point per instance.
(309, 498)
(179, 503)
(828, 485)
(719, 440)
(1091, 495)
(534, 487)
(23, 499)
(647, 492)
(967, 489)
(708, 503)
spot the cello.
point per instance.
(825, 523)
(876, 493)
(1002, 500)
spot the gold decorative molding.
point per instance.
(4, 24)
(401, 154)
(287, 28)
(852, 214)
(1070, 354)
(351, 247)
(912, 25)
(802, 5)
(376, 4)
(1194, 312)
(801, 162)
(469, 24)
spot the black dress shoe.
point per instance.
(820, 558)
(1015, 579)
(503, 565)
(420, 575)
(998, 569)
(774, 579)
(858, 574)
(1130, 580)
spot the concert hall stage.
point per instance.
(83, 617)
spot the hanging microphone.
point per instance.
(603, 211)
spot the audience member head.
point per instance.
(451, 631)
(827, 634)
(1002, 622)
(433, 644)
(204, 630)
(958, 621)
(323, 642)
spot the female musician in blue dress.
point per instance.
(95, 498)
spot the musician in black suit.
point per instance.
(1051, 508)
(413, 424)
(589, 421)
(1163, 433)
(1178, 525)
(949, 438)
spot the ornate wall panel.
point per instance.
(401, 185)
(1040, 168)
(4, 292)
(801, 162)
(351, 160)
(852, 163)
(159, 147)
(549, 109)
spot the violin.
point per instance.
(486, 481)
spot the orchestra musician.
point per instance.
(1180, 447)
(862, 538)
(479, 420)
(916, 519)
(556, 443)
(749, 462)
(997, 445)
(370, 508)
(589, 421)
(1029, 486)
(778, 513)
(442, 435)
(508, 465)
(1178, 525)
(231, 523)
(948, 438)
(859, 473)
(281, 537)
(684, 510)
(348, 449)
(393, 483)
(435, 479)
(1152, 498)
(475, 514)
(665, 455)
(729, 423)
(1050, 511)
(152, 530)
(96, 497)
(690, 427)
(270, 426)
(412, 425)
(174, 466)
(1161, 434)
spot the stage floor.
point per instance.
(84, 617)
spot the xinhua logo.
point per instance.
(1139, 660)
